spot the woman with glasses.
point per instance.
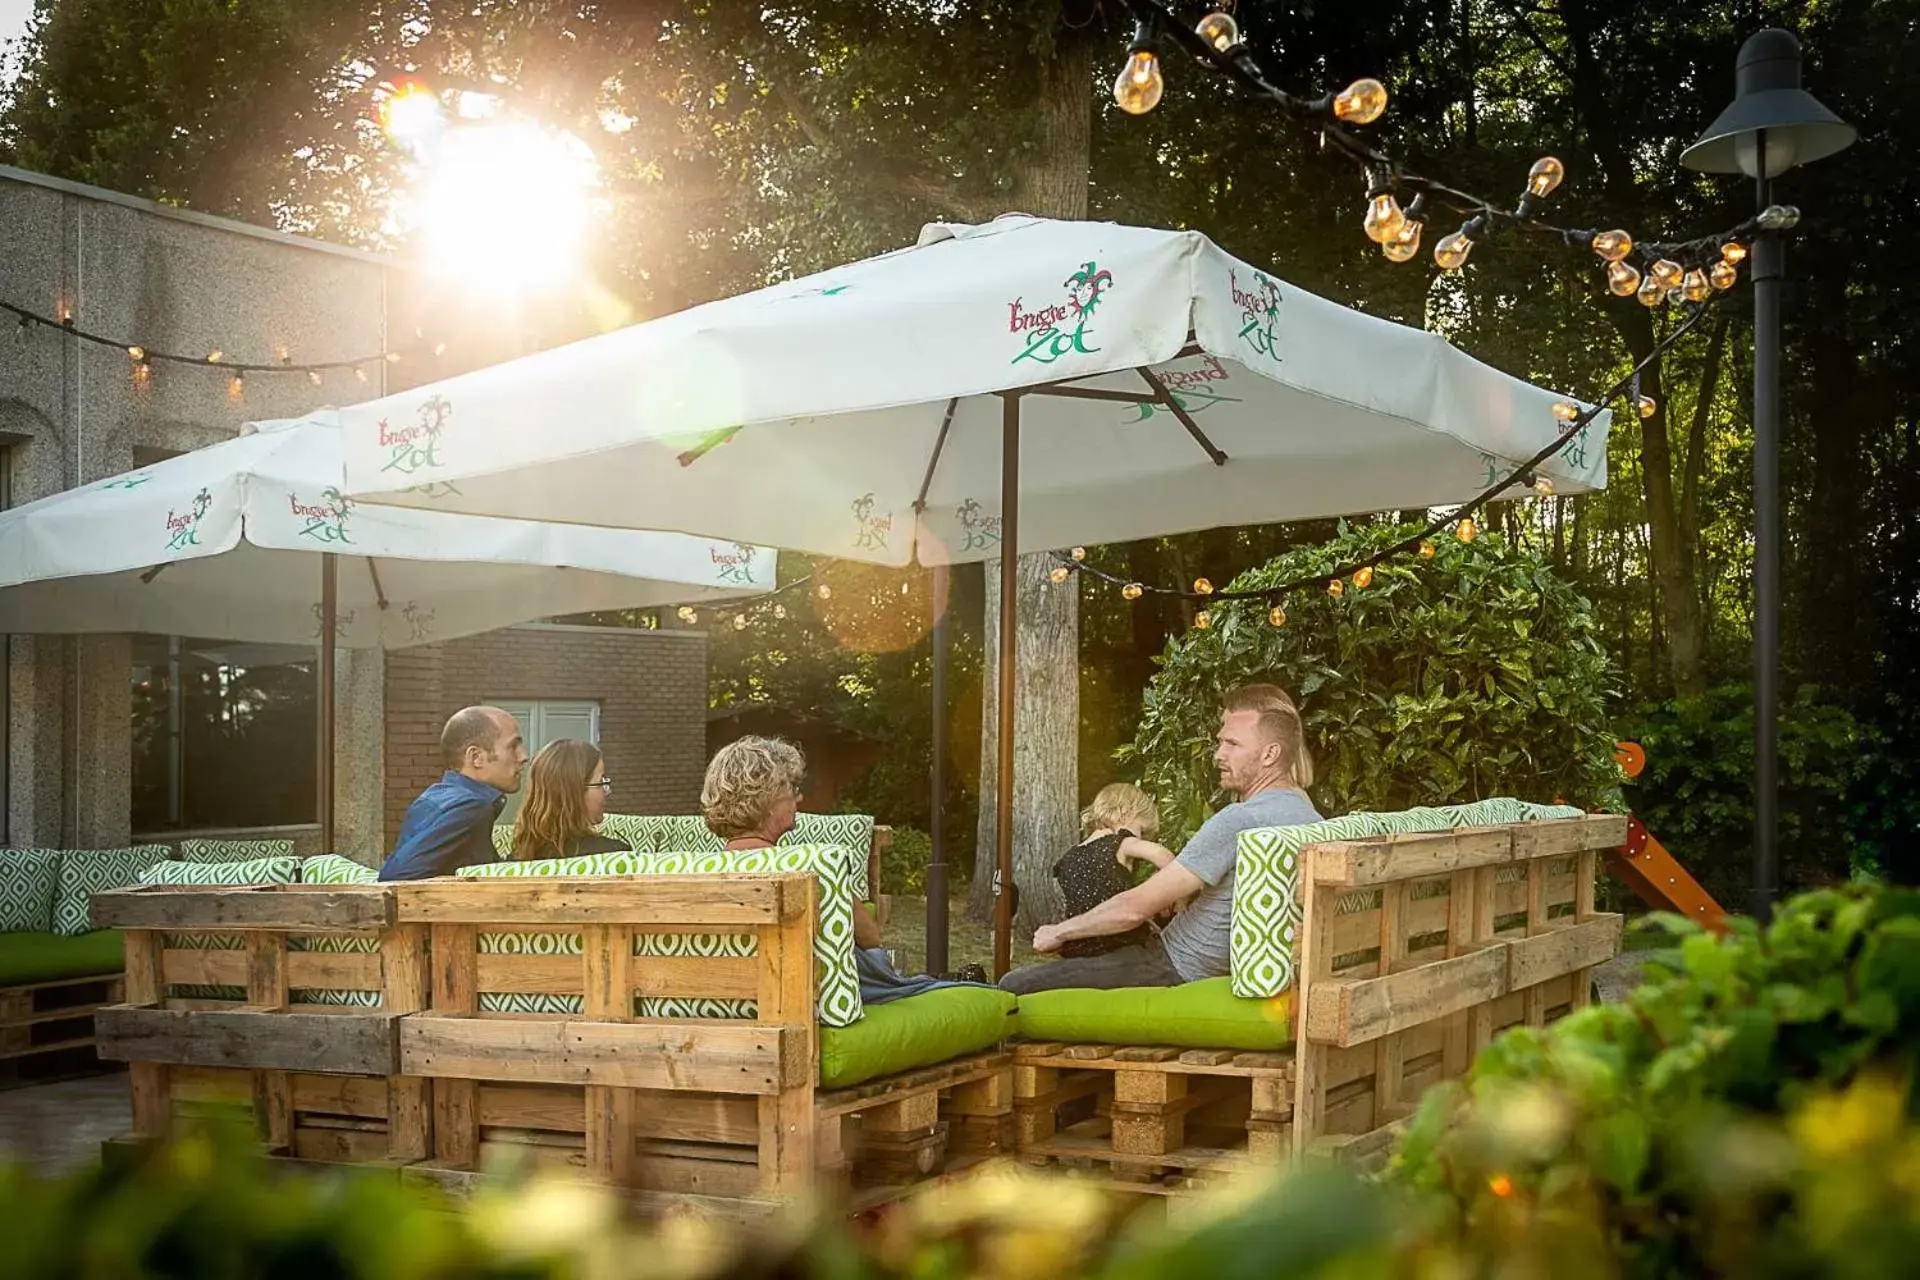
(567, 789)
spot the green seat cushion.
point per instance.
(85, 872)
(28, 878)
(1193, 1015)
(1267, 907)
(259, 871)
(234, 850)
(47, 957)
(332, 868)
(948, 1022)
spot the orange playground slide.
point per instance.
(1644, 865)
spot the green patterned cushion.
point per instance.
(839, 1003)
(28, 878)
(854, 830)
(687, 835)
(331, 868)
(503, 839)
(1267, 908)
(232, 851)
(285, 870)
(641, 831)
(85, 872)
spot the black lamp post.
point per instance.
(1772, 125)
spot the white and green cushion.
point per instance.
(272, 870)
(503, 839)
(332, 868)
(684, 834)
(1267, 907)
(85, 872)
(640, 831)
(28, 879)
(831, 865)
(854, 830)
(232, 851)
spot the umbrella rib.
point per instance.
(1162, 396)
(153, 573)
(379, 592)
(939, 445)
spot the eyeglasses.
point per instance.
(605, 784)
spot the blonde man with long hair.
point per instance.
(567, 789)
(1261, 754)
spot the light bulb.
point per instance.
(824, 591)
(137, 353)
(1427, 549)
(685, 614)
(1451, 253)
(739, 622)
(1362, 578)
(1079, 554)
(360, 373)
(1384, 218)
(1622, 278)
(1336, 588)
(1677, 296)
(1733, 251)
(1723, 275)
(236, 388)
(1202, 587)
(393, 357)
(1613, 245)
(1695, 286)
(1138, 87)
(1203, 619)
(1219, 30)
(313, 376)
(1645, 406)
(1132, 591)
(779, 611)
(1543, 486)
(282, 355)
(1566, 410)
(1465, 530)
(1058, 574)
(1361, 102)
(1404, 246)
(1545, 175)
(214, 356)
(1650, 293)
(1277, 616)
(1666, 273)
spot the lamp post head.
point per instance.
(1768, 100)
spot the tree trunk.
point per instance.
(1051, 183)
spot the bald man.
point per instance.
(451, 825)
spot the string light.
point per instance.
(1362, 102)
(779, 611)
(1465, 531)
(1137, 89)
(1203, 619)
(1336, 588)
(1695, 287)
(1622, 278)
(687, 615)
(313, 376)
(1079, 555)
(360, 373)
(1779, 217)
(1650, 293)
(739, 622)
(1545, 176)
(1202, 587)
(137, 353)
(1666, 273)
(214, 356)
(1427, 549)
(1723, 275)
(824, 591)
(1565, 410)
(1733, 251)
(1645, 406)
(1058, 574)
(145, 353)
(1362, 578)
(1405, 246)
(1612, 245)
(1385, 218)
(1677, 296)
(1451, 253)
(1543, 486)
(1219, 30)
(1277, 616)
(1132, 591)
(237, 387)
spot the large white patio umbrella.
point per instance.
(251, 540)
(1029, 383)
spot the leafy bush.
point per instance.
(1654, 1127)
(1696, 793)
(903, 864)
(1473, 674)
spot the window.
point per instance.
(544, 722)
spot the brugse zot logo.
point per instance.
(323, 521)
(735, 566)
(183, 527)
(414, 448)
(1060, 328)
(1259, 303)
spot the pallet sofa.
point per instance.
(680, 1024)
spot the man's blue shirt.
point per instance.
(448, 827)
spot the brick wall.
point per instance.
(651, 687)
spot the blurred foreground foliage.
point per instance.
(1749, 1111)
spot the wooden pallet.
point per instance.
(46, 1028)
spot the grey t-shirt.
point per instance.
(1197, 938)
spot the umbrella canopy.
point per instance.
(228, 542)
(1166, 386)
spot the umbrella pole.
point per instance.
(937, 960)
(1003, 757)
(329, 609)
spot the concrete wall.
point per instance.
(651, 687)
(71, 413)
